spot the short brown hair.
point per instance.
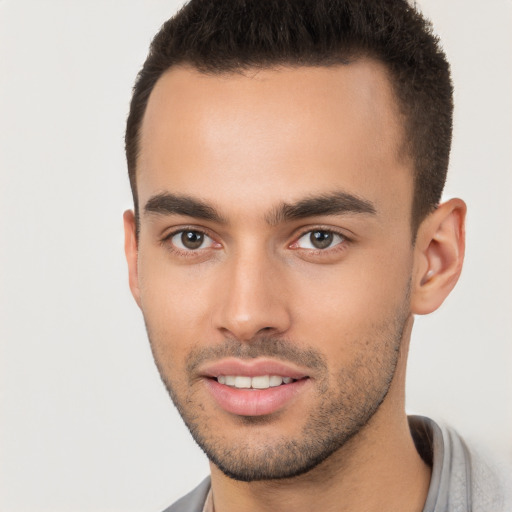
(234, 35)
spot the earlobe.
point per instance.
(131, 252)
(439, 254)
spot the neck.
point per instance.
(390, 476)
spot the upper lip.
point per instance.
(251, 368)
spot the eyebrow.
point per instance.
(336, 203)
(170, 204)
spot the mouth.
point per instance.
(254, 388)
(257, 382)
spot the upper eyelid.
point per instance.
(166, 241)
(323, 231)
(298, 233)
(174, 231)
(342, 245)
(337, 231)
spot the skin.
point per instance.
(244, 145)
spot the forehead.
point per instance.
(274, 134)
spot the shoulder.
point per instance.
(481, 476)
(464, 476)
(193, 501)
(491, 481)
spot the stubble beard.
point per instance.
(342, 409)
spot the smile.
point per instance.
(257, 382)
(253, 387)
(254, 396)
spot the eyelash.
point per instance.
(190, 253)
(166, 241)
(341, 246)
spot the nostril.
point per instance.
(266, 330)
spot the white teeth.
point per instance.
(275, 381)
(258, 382)
(262, 382)
(242, 382)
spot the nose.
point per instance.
(252, 300)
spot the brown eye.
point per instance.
(319, 239)
(191, 240)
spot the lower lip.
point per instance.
(254, 402)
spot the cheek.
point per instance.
(175, 308)
(354, 298)
(171, 294)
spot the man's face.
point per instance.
(274, 257)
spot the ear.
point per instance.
(131, 252)
(438, 256)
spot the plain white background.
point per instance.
(85, 423)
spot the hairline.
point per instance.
(404, 151)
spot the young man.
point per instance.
(287, 160)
